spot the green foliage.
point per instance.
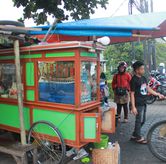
(110, 89)
(61, 9)
(161, 53)
(122, 52)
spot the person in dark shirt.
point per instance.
(139, 91)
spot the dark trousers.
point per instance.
(125, 108)
(139, 121)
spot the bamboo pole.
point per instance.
(19, 91)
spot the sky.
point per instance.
(8, 12)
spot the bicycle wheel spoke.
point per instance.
(48, 152)
(157, 140)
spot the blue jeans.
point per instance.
(139, 121)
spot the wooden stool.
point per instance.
(18, 151)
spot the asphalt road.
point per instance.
(131, 153)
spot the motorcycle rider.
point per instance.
(162, 69)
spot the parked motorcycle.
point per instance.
(157, 85)
(160, 77)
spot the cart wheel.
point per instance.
(157, 140)
(42, 134)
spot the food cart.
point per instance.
(61, 96)
(60, 82)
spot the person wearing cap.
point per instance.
(121, 88)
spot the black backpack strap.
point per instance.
(117, 80)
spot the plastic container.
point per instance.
(85, 160)
(103, 143)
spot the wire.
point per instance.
(52, 33)
(119, 8)
(65, 118)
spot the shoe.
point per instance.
(81, 153)
(141, 141)
(126, 120)
(133, 138)
(70, 152)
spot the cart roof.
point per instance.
(53, 46)
(128, 27)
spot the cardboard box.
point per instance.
(108, 121)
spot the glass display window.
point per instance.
(8, 88)
(88, 81)
(56, 82)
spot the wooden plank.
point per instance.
(14, 148)
(7, 27)
(17, 150)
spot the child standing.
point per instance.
(139, 91)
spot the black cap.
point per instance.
(137, 65)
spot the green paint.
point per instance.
(89, 128)
(6, 57)
(33, 56)
(65, 122)
(88, 54)
(60, 54)
(22, 57)
(9, 115)
(30, 74)
(30, 95)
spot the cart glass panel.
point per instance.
(8, 87)
(56, 82)
(88, 81)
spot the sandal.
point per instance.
(141, 141)
(126, 120)
(133, 138)
(119, 120)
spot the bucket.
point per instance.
(103, 143)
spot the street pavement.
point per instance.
(131, 153)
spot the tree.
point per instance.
(39, 10)
(161, 52)
(122, 52)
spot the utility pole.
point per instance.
(131, 2)
(144, 6)
(153, 44)
(151, 6)
(151, 55)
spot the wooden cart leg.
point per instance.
(24, 159)
(17, 159)
(35, 156)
